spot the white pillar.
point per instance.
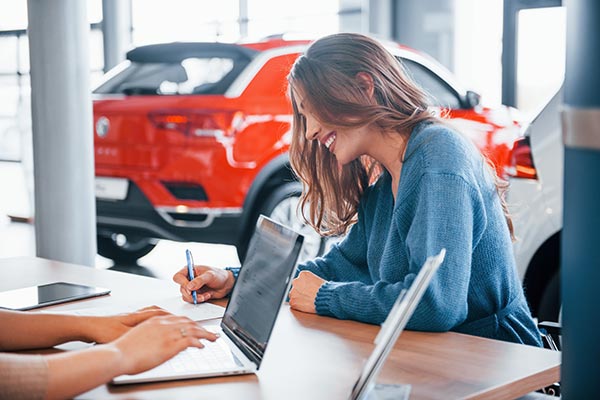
(354, 16)
(116, 31)
(65, 210)
(380, 18)
(243, 18)
(428, 26)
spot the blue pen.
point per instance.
(190, 265)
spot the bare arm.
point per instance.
(29, 330)
(75, 372)
(145, 346)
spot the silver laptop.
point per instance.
(394, 324)
(253, 306)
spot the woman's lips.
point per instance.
(329, 140)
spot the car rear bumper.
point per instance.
(137, 216)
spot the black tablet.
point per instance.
(45, 295)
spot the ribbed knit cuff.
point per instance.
(324, 299)
(234, 270)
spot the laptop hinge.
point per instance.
(245, 343)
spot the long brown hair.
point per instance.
(326, 76)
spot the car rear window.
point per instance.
(190, 76)
(178, 69)
(440, 93)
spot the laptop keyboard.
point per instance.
(214, 355)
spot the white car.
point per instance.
(535, 198)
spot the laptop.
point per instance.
(255, 300)
(394, 324)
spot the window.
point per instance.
(190, 76)
(541, 50)
(440, 93)
(307, 19)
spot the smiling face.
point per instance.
(345, 143)
(350, 98)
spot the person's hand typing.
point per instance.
(209, 283)
(304, 291)
(108, 328)
(157, 340)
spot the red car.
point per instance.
(191, 142)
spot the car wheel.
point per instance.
(281, 206)
(124, 249)
(550, 302)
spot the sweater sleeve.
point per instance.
(346, 260)
(23, 376)
(443, 211)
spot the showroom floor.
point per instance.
(18, 238)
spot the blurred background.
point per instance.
(464, 36)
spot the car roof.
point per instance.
(259, 52)
(179, 51)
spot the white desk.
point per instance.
(313, 357)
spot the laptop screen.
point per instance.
(262, 283)
(392, 327)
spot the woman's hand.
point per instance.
(156, 340)
(109, 328)
(304, 292)
(209, 283)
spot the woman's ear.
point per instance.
(365, 81)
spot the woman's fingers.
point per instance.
(186, 295)
(202, 297)
(201, 281)
(194, 334)
(188, 334)
(147, 312)
(181, 277)
(151, 308)
(203, 284)
(187, 327)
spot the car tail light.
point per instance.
(200, 124)
(521, 160)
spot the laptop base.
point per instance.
(388, 392)
(208, 374)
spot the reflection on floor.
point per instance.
(18, 238)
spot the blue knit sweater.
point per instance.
(446, 198)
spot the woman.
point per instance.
(377, 164)
(134, 343)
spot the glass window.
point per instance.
(156, 21)
(440, 93)
(191, 76)
(305, 19)
(541, 49)
(13, 15)
(8, 49)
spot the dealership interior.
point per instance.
(135, 133)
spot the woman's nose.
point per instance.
(312, 130)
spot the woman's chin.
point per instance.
(342, 160)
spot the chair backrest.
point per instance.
(551, 334)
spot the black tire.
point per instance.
(280, 206)
(551, 300)
(127, 252)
